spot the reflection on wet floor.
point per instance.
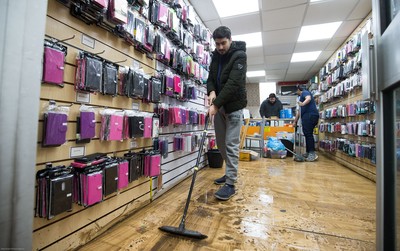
(207, 197)
(279, 205)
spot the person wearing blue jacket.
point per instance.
(309, 119)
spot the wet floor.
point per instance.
(279, 205)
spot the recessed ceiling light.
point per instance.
(318, 31)
(251, 39)
(305, 56)
(227, 8)
(250, 74)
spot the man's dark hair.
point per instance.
(300, 87)
(222, 32)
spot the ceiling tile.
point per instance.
(280, 22)
(283, 58)
(281, 36)
(212, 24)
(318, 45)
(325, 56)
(295, 77)
(256, 79)
(279, 66)
(205, 9)
(329, 11)
(347, 28)
(277, 4)
(301, 67)
(278, 79)
(275, 75)
(255, 51)
(283, 18)
(315, 69)
(256, 67)
(255, 60)
(243, 24)
(278, 49)
(335, 43)
(362, 10)
(275, 72)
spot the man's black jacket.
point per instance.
(231, 93)
(268, 109)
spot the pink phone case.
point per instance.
(155, 165)
(53, 66)
(123, 174)
(94, 191)
(148, 124)
(177, 84)
(116, 123)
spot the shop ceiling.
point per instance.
(280, 22)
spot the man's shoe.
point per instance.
(225, 192)
(305, 155)
(312, 157)
(220, 181)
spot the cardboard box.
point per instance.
(247, 155)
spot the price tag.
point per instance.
(82, 97)
(88, 41)
(75, 152)
(135, 64)
(135, 106)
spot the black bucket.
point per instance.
(289, 145)
(215, 158)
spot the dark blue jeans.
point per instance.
(308, 123)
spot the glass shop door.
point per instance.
(386, 90)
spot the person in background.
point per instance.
(271, 106)
(226, 90)
(309, 119)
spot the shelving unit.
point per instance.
(347, 119)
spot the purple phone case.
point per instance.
(88, 125)
(56, 129)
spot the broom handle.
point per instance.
(203, 138)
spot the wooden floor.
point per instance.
(280, 205)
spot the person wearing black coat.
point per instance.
(271, 106)
(226, 90)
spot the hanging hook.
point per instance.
(67, 105)
(67, 39)
(122, 61)
(99, 53)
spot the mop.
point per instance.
(298, 157)
(181, 229)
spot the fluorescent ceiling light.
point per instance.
(318, 31)
(250, 74)
(251, 39)
(305, 56)
(227, 8)
(313, 1)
